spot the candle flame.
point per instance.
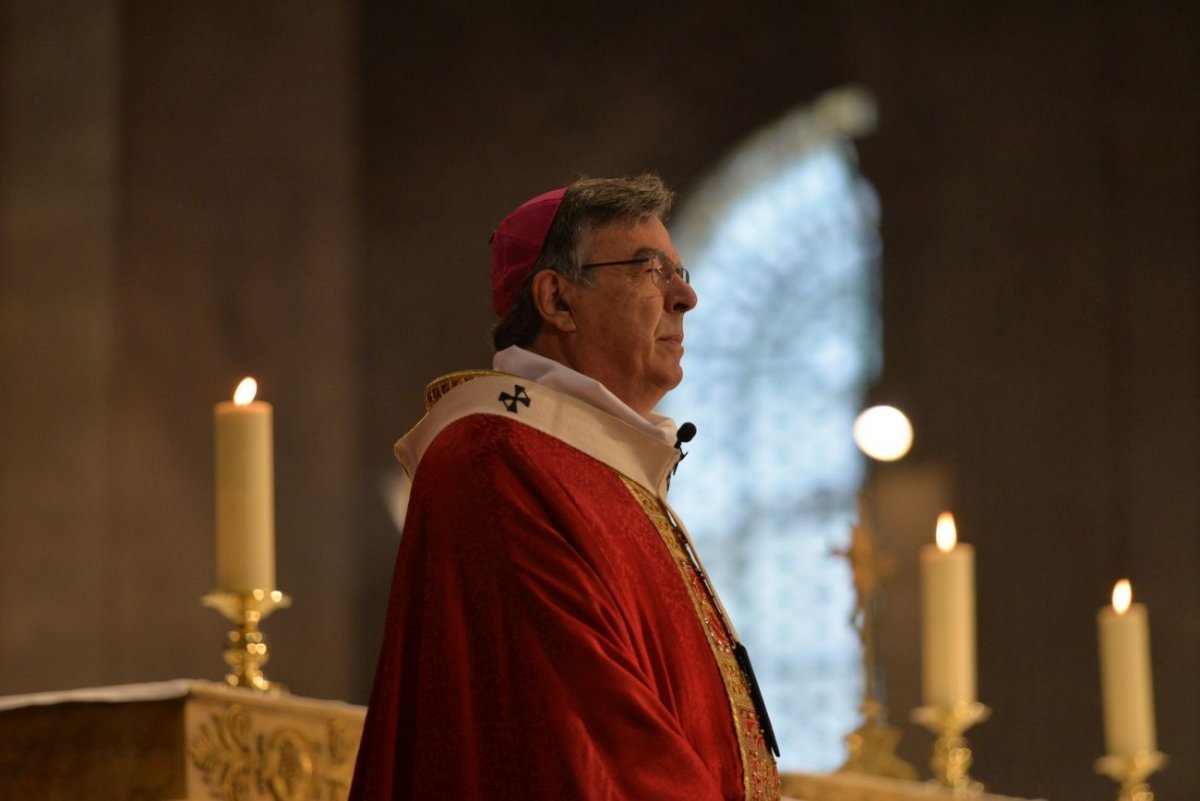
(245, 392)
(1122, 596)
(946, 535)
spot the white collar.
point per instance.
(646, 459)
(557, 375)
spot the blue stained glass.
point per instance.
(780, 352)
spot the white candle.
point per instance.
(245, 492)
(1125, 674)
(948, 618)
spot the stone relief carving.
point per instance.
(241, 762)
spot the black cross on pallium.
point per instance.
(519, 396)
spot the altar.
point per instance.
(190, 740)
(181, 740)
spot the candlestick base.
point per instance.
(1130, 772)
(951, 760)
(245, 646)
(871, 748)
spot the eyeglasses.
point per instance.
(661, 268)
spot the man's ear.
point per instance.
(550, 292)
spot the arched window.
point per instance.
(783, 244)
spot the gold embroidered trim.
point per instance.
(760, 776)
(443, 384)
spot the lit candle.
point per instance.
(1125, 674)
(948, 618)
(245, 492)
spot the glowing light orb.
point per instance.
(883, 433)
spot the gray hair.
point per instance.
(587, 204)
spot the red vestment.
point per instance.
(542, 641)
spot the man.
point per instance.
(551, 634)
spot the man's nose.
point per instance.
(680, 297)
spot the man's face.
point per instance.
(629, 331)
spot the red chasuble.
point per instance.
(547, 635)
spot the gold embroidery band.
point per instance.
(759, 774)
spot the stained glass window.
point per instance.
(783, 246)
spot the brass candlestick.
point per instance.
(951, 758)
(1130, 772)
(245, 646)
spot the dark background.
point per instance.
(192, 192)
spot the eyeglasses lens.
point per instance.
(665, 270)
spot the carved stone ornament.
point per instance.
(239, 763)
